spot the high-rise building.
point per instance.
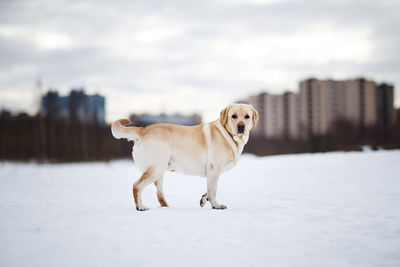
(76, 106)
(385, 109)
(361, 102)
(326, 101)
(96, 108)
(321, 103)
(278, 115)
(274, 116)
(257, 101)
(291, 102)
(55, 106)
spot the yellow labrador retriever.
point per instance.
(204, 150)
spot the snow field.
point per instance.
(332, 209)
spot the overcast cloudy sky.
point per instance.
(190, 56)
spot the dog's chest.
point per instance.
(229, 166)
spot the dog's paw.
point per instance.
(142, 208)
(203, 200)
(219, 207)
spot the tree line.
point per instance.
(47, 139)
(342, 136)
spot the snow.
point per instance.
(332, 209)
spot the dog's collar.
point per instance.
(236, 145)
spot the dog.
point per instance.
(205, 150)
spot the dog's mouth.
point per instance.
(238, 137)
(240, 134)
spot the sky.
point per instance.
(190, 56)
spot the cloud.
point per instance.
(192, 55)
(42, 39)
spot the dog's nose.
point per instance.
(240, 127)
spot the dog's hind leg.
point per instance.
(160, 193)
(149, 176)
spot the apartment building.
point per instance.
(257, 101)
(278, 114)
(274, 115)
(324, 101)
(291, 108)
(75, 106)
(320, 103)
(386, 115)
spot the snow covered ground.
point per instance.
(333, 209)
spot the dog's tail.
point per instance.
(119, 130)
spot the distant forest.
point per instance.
(343, 136)
(46, 139)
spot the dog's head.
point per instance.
(238, 119)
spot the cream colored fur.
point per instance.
(204, 150)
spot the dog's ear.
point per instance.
(223, 117)
(254, 116)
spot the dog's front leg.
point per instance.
(212, 182)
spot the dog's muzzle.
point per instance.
(240, 128)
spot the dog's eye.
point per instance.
(234, 116)
(247, 117)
